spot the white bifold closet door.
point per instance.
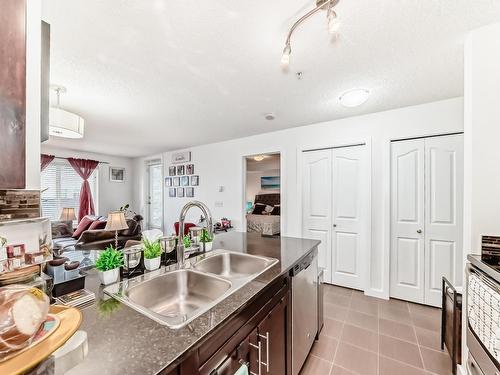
(426, 217)
(335, 209)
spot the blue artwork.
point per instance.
(271, 182)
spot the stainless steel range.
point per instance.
(483, 309)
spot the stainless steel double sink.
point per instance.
(175, 298)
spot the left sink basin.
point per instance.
(174, 298)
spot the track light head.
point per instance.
(285, 57)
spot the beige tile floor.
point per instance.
(368, 336)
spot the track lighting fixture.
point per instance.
(333, 25)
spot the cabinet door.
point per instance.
(272, 332)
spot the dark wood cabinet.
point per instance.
(272, 334)
(258, 336)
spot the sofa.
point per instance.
(90, 234)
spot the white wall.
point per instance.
(482, 135)
(111, 195)
(221, 164)
(481, 151)
(33, 92)
(254, 186)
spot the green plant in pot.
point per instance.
(206, 239)
(152, 254)
(108, 263)
(186, 241)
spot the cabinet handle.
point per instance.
(419, 231)
(259, 349)
(266, 337)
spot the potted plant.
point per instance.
(152, 254)
(206, 239)
(186, 241)
(108, 264)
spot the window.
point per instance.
(61, 188)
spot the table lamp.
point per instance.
(116, 221)
(67, 214)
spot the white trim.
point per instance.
(367, 142)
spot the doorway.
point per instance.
(426, 217)
(154, 193)
(262, 196)
(336, 209)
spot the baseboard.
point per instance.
(377, 293)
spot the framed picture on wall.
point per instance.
(175, 181)
(195, 180)
(190, 169)
(171, 170)
(180, 170)
(168, 181)
(171, 192)
(189, 192)
(180, 192)
(116, 174)
(185, 181)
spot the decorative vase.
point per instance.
(208, 245)
(110, 276)
(152, 264)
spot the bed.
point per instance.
(267, 224)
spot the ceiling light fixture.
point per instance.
(63, 123)
(270, 116)
(333, 26)
(333, 22)
(354, 97)
(259, 157)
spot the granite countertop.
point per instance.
(123, 341)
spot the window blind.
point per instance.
(61, 188)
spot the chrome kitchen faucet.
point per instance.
(180, 243)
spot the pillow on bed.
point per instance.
(268, 209)
(276, 210)
(258, 209)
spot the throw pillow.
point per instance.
(98, 224)
(83, 226)
(258, 208)
(268, 209)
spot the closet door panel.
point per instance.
(443, 219)
(350, 207)
(317, 202)
(407, 220)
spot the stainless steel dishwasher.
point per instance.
(304, 309)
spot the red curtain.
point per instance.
(45, 160)
(84, 168)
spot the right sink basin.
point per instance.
(234, 265)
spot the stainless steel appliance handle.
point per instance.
(259, 348)
(266, 337)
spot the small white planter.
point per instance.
(208, 246)
(152, 264)
(109, 277)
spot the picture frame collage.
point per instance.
(181, 181)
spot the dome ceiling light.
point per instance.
(354, 97)
(63, 123)
(332, 23)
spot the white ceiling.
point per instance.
(157, 75)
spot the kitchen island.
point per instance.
(124, 341)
